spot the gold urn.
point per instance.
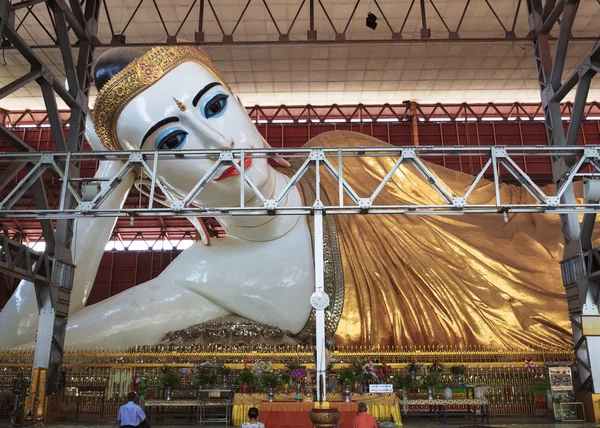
(324, 418)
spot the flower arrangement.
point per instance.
(204, 376)
(259, 367)
(371, 370)
(246, 376)
(436, 367)
(368, 370)
(299, 374)
(169, 378)
(286, 378)
(414, 367)
(432, 379)
(140, 384)
(224, 371)
(383, 371)
(348, 377)
(402, 382)
(269, 379)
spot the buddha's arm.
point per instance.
(92, 235)
(18, 319)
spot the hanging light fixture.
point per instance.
(371, 21)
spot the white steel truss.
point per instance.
(498, 163)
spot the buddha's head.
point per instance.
(174, 98)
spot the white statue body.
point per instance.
(247, 273)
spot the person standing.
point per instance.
(130, 414)
(363, 420)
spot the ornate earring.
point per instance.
(179, 104)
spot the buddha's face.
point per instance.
(190, 109)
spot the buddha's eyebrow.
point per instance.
(204, 91)
(158, 125)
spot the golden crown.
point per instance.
(135, 78)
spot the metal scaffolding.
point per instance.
(359, 113)
(578, 270)
(51, 272)
(497, 161)
(303, 27)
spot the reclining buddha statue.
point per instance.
(392, 279)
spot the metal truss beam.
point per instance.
(580, 262)
(53, 286)
(390, 30)
(497, 160)
(359, 113)
(19, 260)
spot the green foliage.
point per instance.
(348, 376)
(224, 371)
(401, 382)
(204, 376)
(432, 379)
(246, 376)
(436, 367)
(143, 384)
(169, 378)
(458, 370)
(414, 366)
(268, 379)
(286, 378)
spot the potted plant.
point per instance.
(224, 372)
(203, 378)
(413, 368)
(286, 379)
(269, 380)
(169, 380)
(402, 383)
(141, 385)
(298, 376)
(459, 371)
(436, 367)
(431, 380)
(245, 379)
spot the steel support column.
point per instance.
(581, 291)
(320, 313)
(53, 288)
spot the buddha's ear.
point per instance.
(91, 136)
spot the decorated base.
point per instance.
(230, 331)
(324, 418)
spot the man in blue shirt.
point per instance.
(130, 414)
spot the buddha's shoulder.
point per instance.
(344, 139)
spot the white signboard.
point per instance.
(381, 388)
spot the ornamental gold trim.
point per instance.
(136, 77)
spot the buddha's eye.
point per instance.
(171, 139)
(215, 106)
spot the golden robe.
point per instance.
(444, 280)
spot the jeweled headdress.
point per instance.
(135, 78)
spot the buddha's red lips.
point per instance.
(232, 172)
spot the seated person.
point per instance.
(363, 420)
(253, 419)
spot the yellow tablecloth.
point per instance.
(380, 406)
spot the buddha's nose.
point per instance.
(211, 138)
